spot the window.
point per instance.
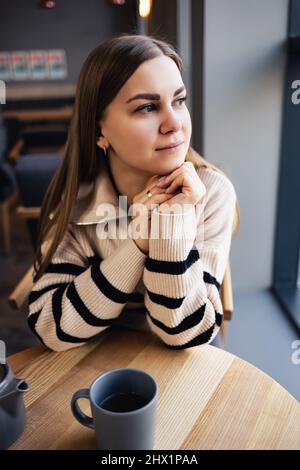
(286, 275)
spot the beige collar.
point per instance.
(98, 202)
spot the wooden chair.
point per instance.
(227, 303)
(11, 194)
(6, 207)
(22, 291)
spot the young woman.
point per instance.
(162, 269)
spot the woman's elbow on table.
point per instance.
(47, 334)
(186, 339)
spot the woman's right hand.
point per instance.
(159, 196)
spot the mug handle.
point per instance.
(76, 410)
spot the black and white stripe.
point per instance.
(178, 268)
(202, 338)
(80, 307)
(172, 267)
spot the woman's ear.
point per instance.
(101, 141)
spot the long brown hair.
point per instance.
(103, 74)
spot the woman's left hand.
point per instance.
(186, 179)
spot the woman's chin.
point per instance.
(169, 165)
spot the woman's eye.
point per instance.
(182, 100)
(147, 107)
(150, 107)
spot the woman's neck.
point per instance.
(128, 180)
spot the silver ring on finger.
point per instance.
(149, 194)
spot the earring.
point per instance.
(105, 151)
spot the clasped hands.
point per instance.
(173, 193)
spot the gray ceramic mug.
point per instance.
(123, 405)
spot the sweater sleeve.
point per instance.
(81, 295)
(186, 265)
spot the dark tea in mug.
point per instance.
(123, 402)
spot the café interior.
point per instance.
(241, 70)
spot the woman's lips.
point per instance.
(170, 149)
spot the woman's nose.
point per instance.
(170, 122)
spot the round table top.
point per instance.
(207, 397)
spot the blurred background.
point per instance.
(242, 72)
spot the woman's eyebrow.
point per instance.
(152, 96)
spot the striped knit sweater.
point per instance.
(92, 283)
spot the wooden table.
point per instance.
(208, 398)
